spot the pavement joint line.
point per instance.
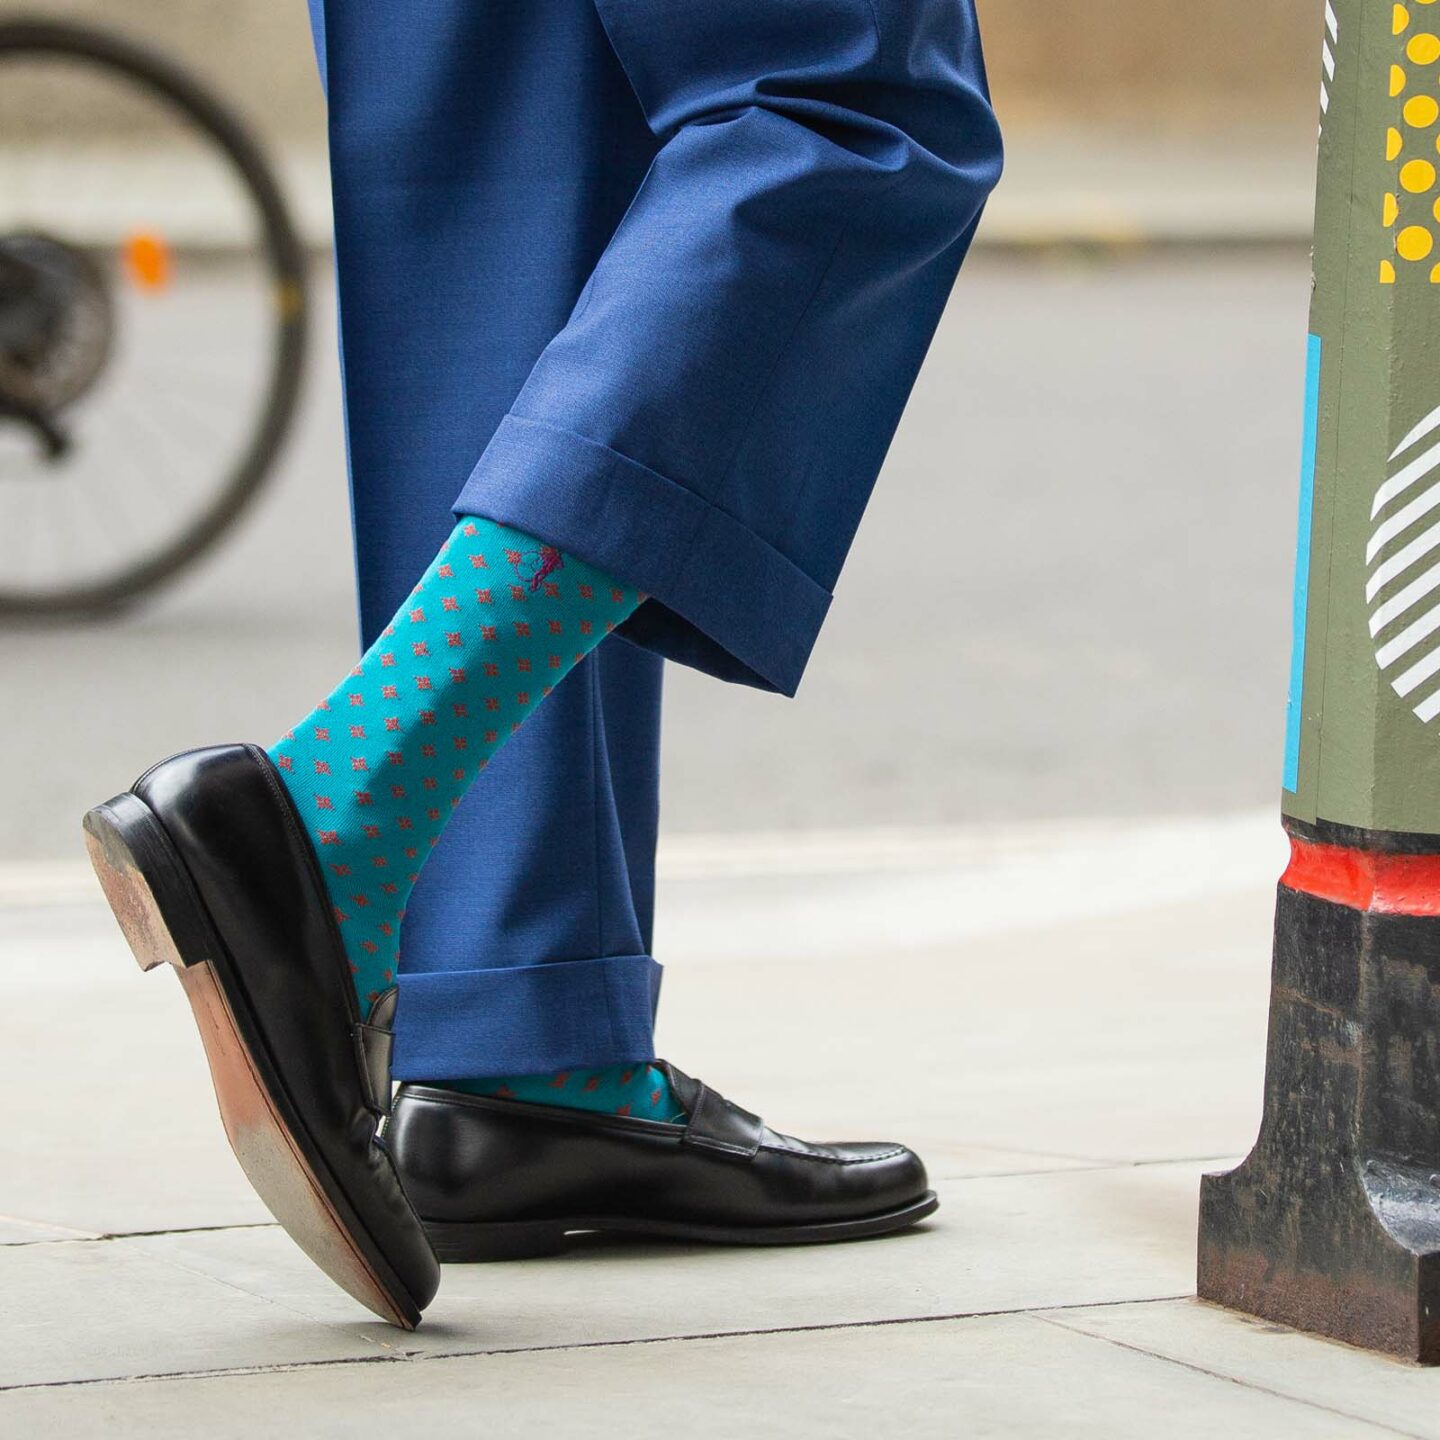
(1086, 1163)
(176, 1263)
(421, 1356)
(1059, 1324)
(179, 1230)
(1085, 1168)
(97, 1237)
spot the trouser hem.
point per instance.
(526, 1019)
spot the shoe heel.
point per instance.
(507, 1240)
(146, 884)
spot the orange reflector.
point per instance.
(147, 258)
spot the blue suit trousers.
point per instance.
(650, 280)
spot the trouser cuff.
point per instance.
(526, 1019)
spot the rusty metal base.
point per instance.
(1332, 1224)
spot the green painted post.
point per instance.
(1333, 1221)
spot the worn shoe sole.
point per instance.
(164, 920)
(455, 1241)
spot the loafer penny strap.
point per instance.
(715, 1123)
(374, 1040)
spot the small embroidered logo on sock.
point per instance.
(534, 567)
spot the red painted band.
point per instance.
(1365, 879)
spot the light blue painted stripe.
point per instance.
(1294, 709)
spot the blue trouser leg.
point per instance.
(649, 280)
(526, 942)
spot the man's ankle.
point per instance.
(634, 1088)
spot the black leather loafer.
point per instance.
(206, 865)
(504, 1180)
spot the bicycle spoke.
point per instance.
(166, 438)
(211, 399)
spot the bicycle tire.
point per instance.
(284, 257)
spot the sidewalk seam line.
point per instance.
(1198, 1369)
(174, 1263)
(422, 1356)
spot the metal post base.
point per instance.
(1332, 1224)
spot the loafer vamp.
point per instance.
(468, 1159)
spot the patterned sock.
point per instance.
(639, 1090)
(495, 623)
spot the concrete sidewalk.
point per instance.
(1068, 1022)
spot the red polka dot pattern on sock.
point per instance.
(422, 713)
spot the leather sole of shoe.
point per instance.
(165, 921)
(459, 1242)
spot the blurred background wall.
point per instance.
(1222, 65)
(1154, 65)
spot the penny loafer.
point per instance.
(501, 1179)
(206, 866)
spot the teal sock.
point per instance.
(639, 1090)
(496, 622)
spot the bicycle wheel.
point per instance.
(152, 319)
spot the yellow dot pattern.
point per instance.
(1410, 211)
(1423, 49)
(1417, 176)
(1414, 242)
(1421, 111)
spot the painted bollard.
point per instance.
(1332, 1223)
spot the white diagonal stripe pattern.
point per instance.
(1402, 480)
(1410, 596)
(1418, 673)
(1401, 560)
(1402, 519)
(1429, 423)
(1408, 638)
(1429, 709)
(1332, 37)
